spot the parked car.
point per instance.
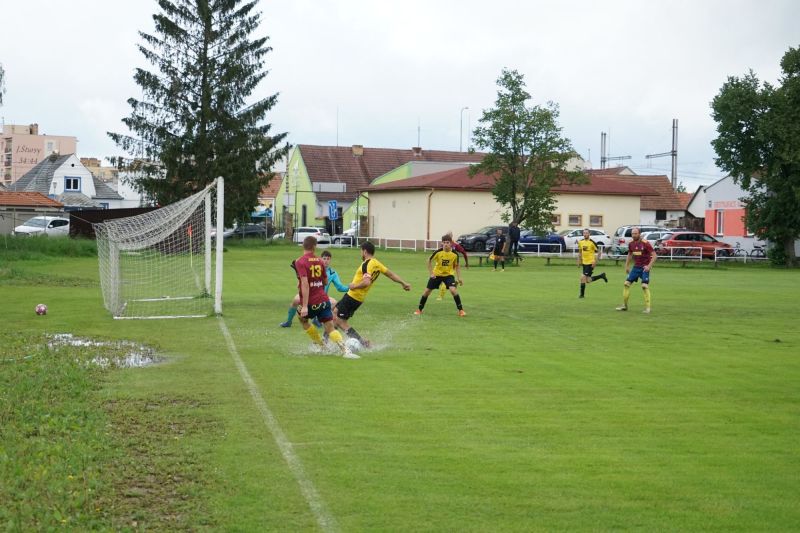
(43, 225)
(476, 242)
(687, 243)
(346, 238)
(572, 236)
(530, 241)
(245, 231)
(655, 236)
(302, 232)
(623, 236)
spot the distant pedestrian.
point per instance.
(587, 260)
(513, 240)
(643, 256)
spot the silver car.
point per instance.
(44, 225)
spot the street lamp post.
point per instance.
(461, 129)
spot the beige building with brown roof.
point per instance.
(426, 207)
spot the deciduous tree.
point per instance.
(758, 144)
(195, 120)
(526, 153)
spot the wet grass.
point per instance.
(536, 412)
(72, 458)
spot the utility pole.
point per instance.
(673, 153)
(603, 157)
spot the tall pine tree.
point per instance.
(194, 121)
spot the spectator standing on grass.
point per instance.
(333, 279)
(442, 265)
(459, 250)
(513, 240)
(499, 250)
(366, 275)
(643, 256)
(587, 260)
(314, 301)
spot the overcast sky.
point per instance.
(394, 72)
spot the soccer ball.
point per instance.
(41, 309)
(353, 345)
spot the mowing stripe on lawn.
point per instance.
(325, 520)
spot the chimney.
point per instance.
(34, 129)
(358, 150)
(417, 151)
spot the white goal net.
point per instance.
(163, 264)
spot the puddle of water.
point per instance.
(123, 354)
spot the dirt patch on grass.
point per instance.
(160, 478)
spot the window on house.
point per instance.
(576, 220)
(720, 222)
(50, 147)
(661, 214)
(747, 232)
(596, 220)
(72, 183)
(555, 220)
(103, 205)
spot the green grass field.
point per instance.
(536, 412)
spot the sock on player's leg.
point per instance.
(442, 290)
(626, 294)
(495, 265)
(314, 334)
(354, 334)
(336, 337)
(290, 314)
(646, 291)
(457, 298)
(595, 278)
(583, 288)
(422, 301)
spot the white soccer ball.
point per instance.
(353, 345)
(41, 309)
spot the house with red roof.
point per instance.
(18, 207)
(663, 207)
(318, 175)
(428, 206)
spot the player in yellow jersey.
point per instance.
(587, 261)
(366, 275)
(442, 264)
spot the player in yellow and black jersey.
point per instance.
(443, 267)
(367, 274)
(587, 260)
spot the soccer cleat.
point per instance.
(581, 296)
(417, 312)
(646, 311)
(438, 298)
(365, 343)
(622, 308)
(603, 275)
(350, 355)
(286, 324)
(461, 312)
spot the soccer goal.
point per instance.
(163, 264)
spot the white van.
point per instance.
(44, 225)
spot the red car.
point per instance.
(694, 243)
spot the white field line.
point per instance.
(325, 520)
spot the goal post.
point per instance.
(163, 264)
